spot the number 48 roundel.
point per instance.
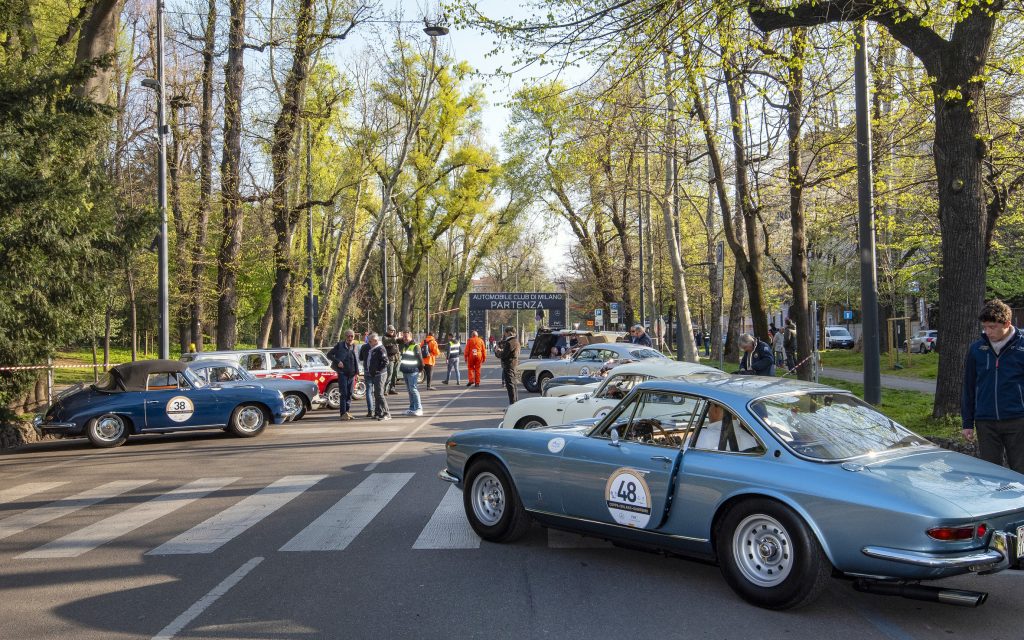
(628, 498)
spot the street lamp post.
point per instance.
(163, 312)
(311, 321)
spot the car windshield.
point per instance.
(643, 354)
(193, 379)
(831, 426)
(839, 333)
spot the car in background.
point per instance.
(562, 341)
(924, 341)
(300, 396)
(530, 413)
(315, 361)
(585, 361)
(783, 483)
(159, 396)
(838, 338)
(280, 363)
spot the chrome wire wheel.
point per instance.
(109, 428)
(488, 497)
(250, 419)
(293, 404)
(763, 550)
(334, 396)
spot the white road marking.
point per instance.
(394, 447)
(102, 532)
(60, 508)
(448, 527)
(23, 490)
(339, 525)
(204, 603)
(215, 532)
(332, 431)
(565, 540)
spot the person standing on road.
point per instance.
(411, 364)
(476, 355)
(345, 361)
(757, 359)
(376, 369)
(640, 336)
(364, 354)
(453, 351)
(429, 351)
(991, 403)
(778, 347)
(789, 343)
(507, 351)
(390, 342)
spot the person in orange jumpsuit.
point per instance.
(430, 352)
(476, 354)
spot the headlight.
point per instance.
(38, 420)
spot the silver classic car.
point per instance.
(584, 362)
(784, 484)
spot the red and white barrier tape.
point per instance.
(37, 367)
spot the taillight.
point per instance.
(953, 534)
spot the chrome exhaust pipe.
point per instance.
(914, 591)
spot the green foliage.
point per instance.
(54, 208)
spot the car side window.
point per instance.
(587, 355)
(223, 374)
(282, 360)
(618, 386)
(316, 359)
(721, 430)
(162, 381)
(662, 418)
(252, 362)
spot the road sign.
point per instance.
(848, 315)
(599, 317)
(613, 312)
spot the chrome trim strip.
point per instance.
(447, 477)
(973, 560)
(618, 526)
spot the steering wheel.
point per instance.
(651, 424)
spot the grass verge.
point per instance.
(919, 365)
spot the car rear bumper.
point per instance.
(999, 555)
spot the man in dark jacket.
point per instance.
(992, 403)
(640, 336)
(376, 369)
(345, 361)
(507, 351)
(757, 358)
(364, 353)
(391, 346)
(789, 343)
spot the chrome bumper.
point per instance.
(319, 400)
(995, 558)
(52, 427)
(447, 477)
(289, 415)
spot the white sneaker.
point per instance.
(410, 412)
(418, 412)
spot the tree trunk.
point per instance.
(732, 331)
(106, 337)
(205, 180)
(263, 331)
(98, 39)
(800, 309)
(133, 313)
(715, 281)
(285, 217)
(181, 240)
(231, 242)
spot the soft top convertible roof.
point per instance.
(133, 375)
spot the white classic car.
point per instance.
(530, 413)
(584, 362)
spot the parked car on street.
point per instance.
(588, 359)
(924, 341)
(159, 396)
(783, 483)
(300, 396)
(838, 338)
(530, 413)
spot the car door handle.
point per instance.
(662, 458)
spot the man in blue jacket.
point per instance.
(992, 403)
(757, 358)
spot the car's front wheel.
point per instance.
(530, 422)
(333, 394)
(248, 420)
(492, 504)
(106, 431)
(924, 348)
(293, 402)
(769, 556)
(529, 379)
(541, 379)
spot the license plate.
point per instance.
(1020, 542)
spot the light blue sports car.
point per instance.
(784, 483)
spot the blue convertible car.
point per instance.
(160, 396)
(783, 483)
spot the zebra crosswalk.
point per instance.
(333, 530)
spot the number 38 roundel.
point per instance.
(180, 408)
(628, 498)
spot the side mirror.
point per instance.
(583, 398)
(615, 437)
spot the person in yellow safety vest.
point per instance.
(410, 364)
(453, 351)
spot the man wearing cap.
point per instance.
(507, 351)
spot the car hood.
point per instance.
(980, 488)
(565, 390)
(577, 427)
(533, 363)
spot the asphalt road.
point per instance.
(324, 529)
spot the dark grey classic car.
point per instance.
(298, 394)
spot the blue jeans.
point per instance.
(411, 382)
(453, 365)
(345, 384)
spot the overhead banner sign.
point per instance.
(554, 304)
